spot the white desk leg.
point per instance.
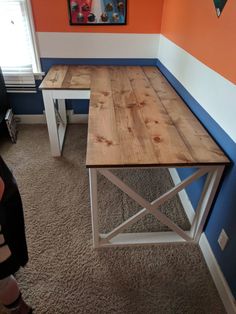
(206, 200)
(63, 121)
(94, 206)
(51, 123)
(62, 110)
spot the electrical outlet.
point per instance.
(223, 239)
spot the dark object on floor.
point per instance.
(7, 120)
(4, 105)
(12, 224)
(11, 125)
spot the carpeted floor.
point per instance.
(64, 274)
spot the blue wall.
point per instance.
(223, 214)
(48, 62)
(31, 103)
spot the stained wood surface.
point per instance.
(103, 135)
(67, 77)
(136, 118)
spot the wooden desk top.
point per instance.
(136, 118)
(67, 77)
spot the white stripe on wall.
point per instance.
(216, 94)
(98, 45)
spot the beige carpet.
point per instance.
(64, 274)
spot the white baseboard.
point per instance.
(30, 118)
(187, 205)
(41, 119)
(76, 118)
(217, 275)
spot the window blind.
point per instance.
(17, 53)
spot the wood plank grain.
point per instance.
(197, 139)
(55, 77)
(167, 143)
(103, 147)
(135, 145)
(77, 77)
(136, 118)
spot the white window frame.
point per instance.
(21, 82)
(33, 36)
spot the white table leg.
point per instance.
(63, 121)
(206, 200)
(62, 110)
(94, 206)
(56, 134)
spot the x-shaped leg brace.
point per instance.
(116, 237)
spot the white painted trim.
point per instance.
(33, 36)
(185, 201)
(30, 118)
(212, 91)
(98, 45)
(76, 118)
(69, 94)
(143, 238)
(217, 275)
(40, 118)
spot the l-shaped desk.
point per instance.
(136, 120)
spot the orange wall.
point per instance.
(194, 26)
(52, 16)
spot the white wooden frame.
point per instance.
(55, 110)
(30, 21)
(117, 238)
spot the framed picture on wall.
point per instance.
(219, 4)
(97, 12)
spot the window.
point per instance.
(18, 53)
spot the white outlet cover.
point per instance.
(223, 239)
